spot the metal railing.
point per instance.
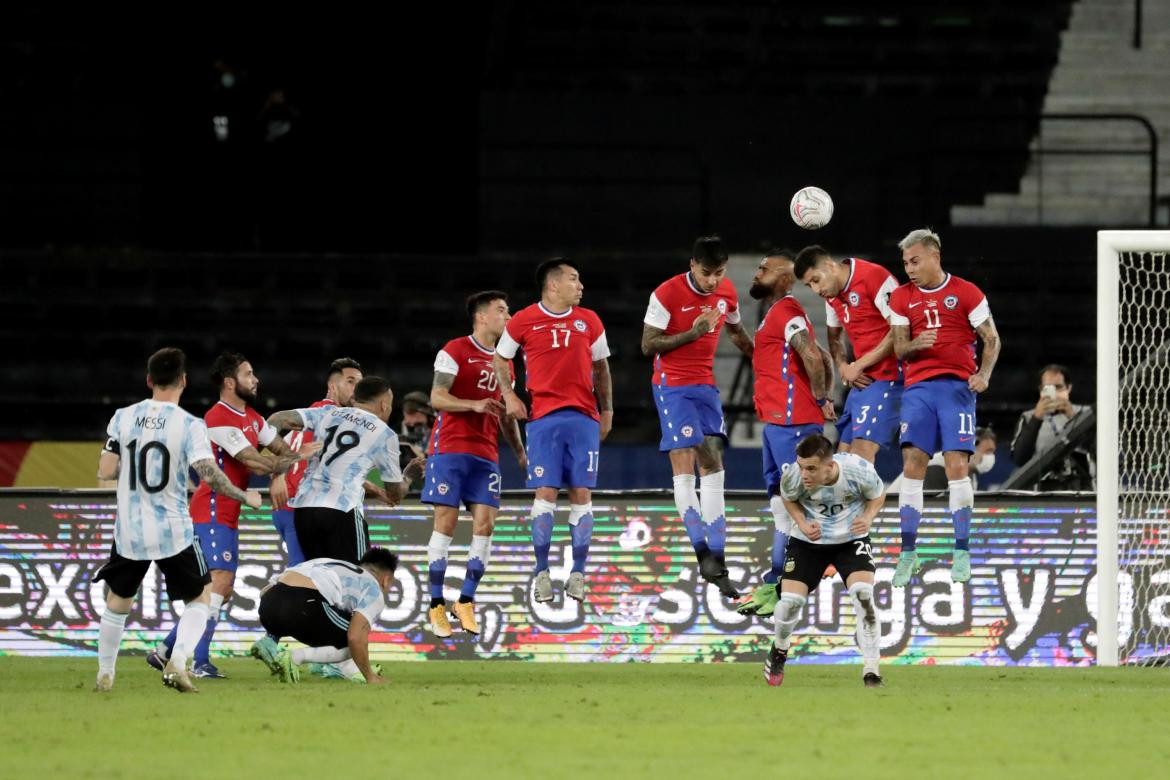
(1040, 152)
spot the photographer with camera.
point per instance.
(1044, 427)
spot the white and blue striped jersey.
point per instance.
(835, 506)
(156, 442)
(346, 586)
(354, 441)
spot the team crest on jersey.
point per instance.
(579, 325)
(538, 471)
(687, 431)
(227, 556)
(854, 298)
(721, 306)
(789, 566)
(950, 301)
(443, 488)
(905, 427)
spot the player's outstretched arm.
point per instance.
(266, 465)
(396, 491)
(358, 639)
(603, 387)
(288, 420)
(904, 346)
(991, 347)
(854, 373)
(218, 481)
(655, 341)
(741, 338)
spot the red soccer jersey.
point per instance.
(674, 306)
(559, 351)
(956, 308)
(293, 477)
(230, 432)
(468, 433)
(783, 393)
(862, 308)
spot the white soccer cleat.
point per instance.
(105, 683)
(543, 586)
(177, 677)
(575, 586)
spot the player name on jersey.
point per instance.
(156, 443)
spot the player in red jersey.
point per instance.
(567, 374)
(792, 376)
(344, 373)
(681, 330)
(935, 319)
(857, 294)
(463, 463)
(238, 433)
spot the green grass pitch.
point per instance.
(516, 720)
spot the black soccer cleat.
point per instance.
(711, 568)
(774, 666)
(872, 680)
(728, 591)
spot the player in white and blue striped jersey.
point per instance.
(355, 439)
(330, 606)
(149, 450)
(832, 500)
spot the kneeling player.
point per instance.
(330, 606)
(833, 500)
(463, 467)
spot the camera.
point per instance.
(1048, 391)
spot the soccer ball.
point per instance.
(811, 208)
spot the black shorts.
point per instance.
(806, 562)
(185, 574)
(331, 533)
(301, 613)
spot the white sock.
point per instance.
(481, 547)
(191, 626)
(216, 604)
(109, 640)
(868, 631)
(577, 511)
(437, 547)
(685, 495)
(320, 655)
(349, 668)
(714, 510)
(788, 613)
(910, 511)
(962, 501)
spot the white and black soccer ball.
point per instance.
(811, 208)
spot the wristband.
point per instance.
(822, 401)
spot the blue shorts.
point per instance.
(220, 545)
(844, 423)
(456, 477)
(564, 450)
(873, 413)
(780, 450)
(687, 414)
(282, 519)
(939, 415)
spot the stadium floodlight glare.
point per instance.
(1133, 413)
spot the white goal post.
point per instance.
(1112, 248)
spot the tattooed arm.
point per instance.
(740, 338)
(216, 480)
(991, 347)
(603, 387)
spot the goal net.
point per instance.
(1133, 447)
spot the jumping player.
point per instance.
(567, 375)
(833, 500)
(681, 331)
(792, 376)
(151, 447)
(463, 464)
(935, 319)
(857, 294)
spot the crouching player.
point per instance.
(330, 606)
(832, 500)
